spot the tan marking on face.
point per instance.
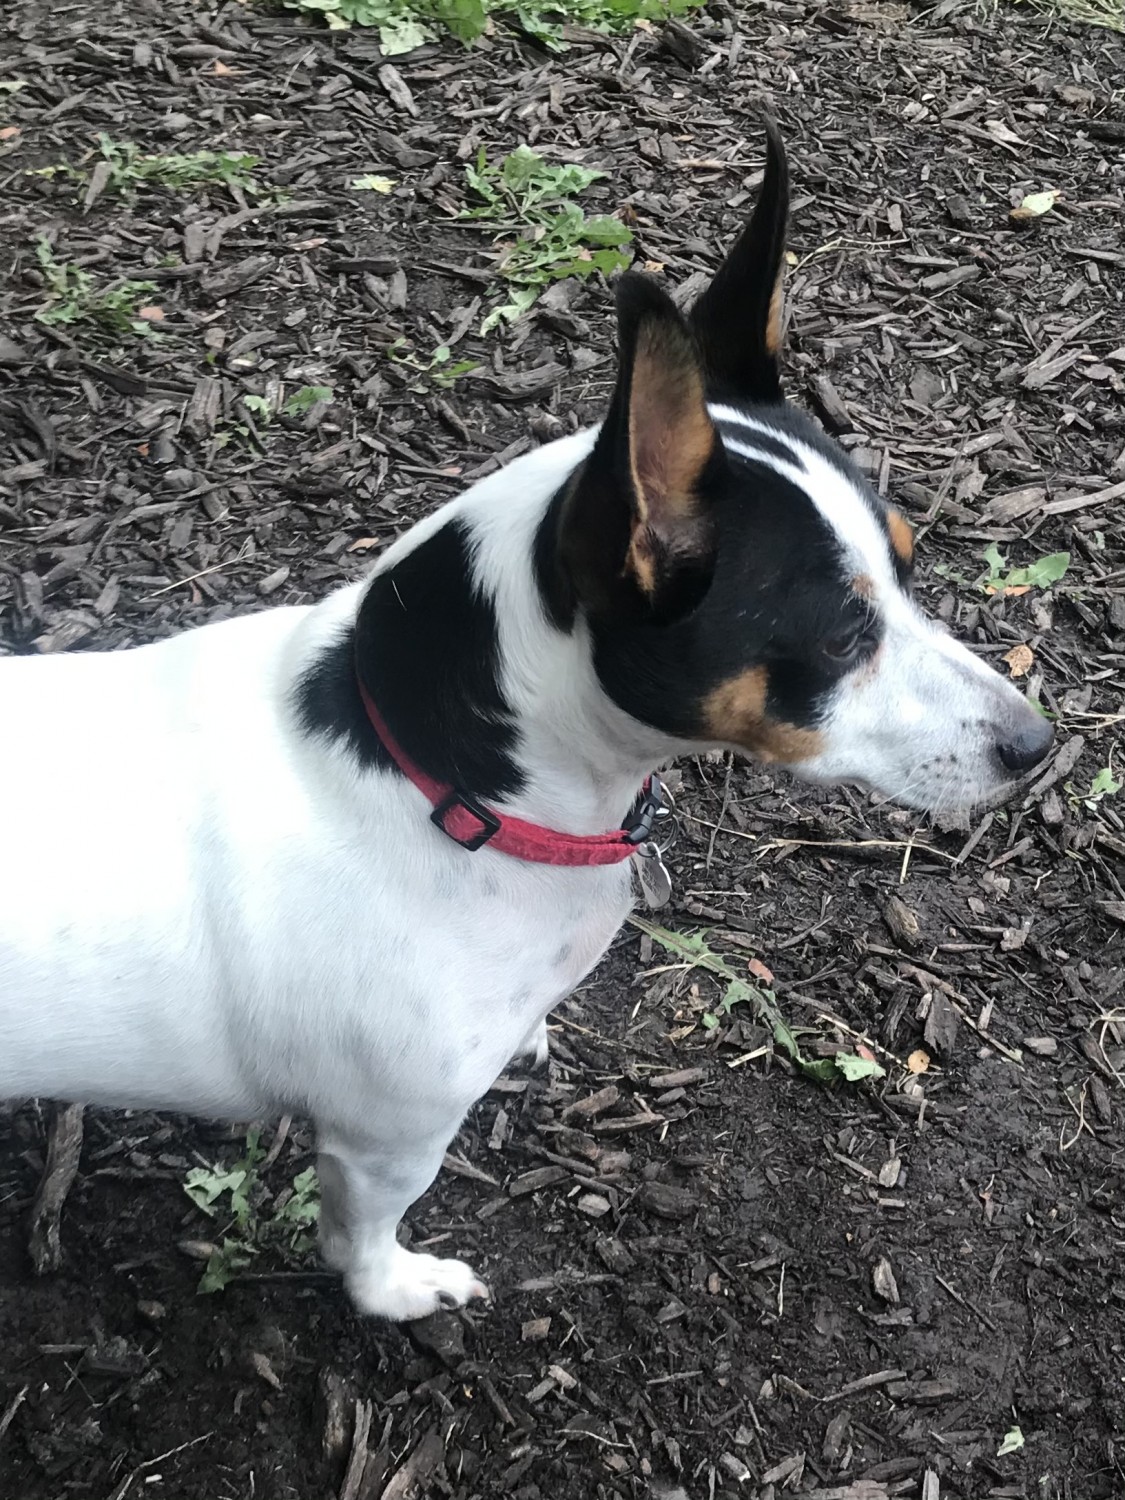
(863, 585)
(774, 318)
(735, 713)
(902, 536)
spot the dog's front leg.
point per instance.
(365, 1190)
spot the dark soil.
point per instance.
(719, 1275)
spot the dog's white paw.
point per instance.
(413, 1286)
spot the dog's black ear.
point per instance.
(738, 318)
(636, 534)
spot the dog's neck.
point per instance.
(455, 645)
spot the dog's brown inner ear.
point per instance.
(775, 318)
(671, 442)
(902, 536)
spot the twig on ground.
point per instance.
(64, 1146)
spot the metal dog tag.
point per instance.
(652, 872)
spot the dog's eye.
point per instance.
(846, 648)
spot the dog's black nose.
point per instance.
(1022, 749)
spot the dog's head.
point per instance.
(743, 584)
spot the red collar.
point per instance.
(468, 823)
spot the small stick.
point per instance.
(13, 1406)
(64, 1146)
(278, 1141)
(360, 1452)
(965, 1303)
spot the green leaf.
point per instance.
(205, 1186)
(1035, 205)
(1047, 570)
(522, 167)
(820, 1069)
(521, 300)
(224, 1264)
(305, 399)
(466, 19)
(1013, 1442)
(1105, 783)
(855, 1068)
(373, 184)
(259, 405)
(403, 34)
(606, 229)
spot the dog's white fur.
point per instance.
(203, 908)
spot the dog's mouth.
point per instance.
(948, 810)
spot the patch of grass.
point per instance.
(126, 167)
(542, 233)
(441, 367)
(406, 24)
(237, 1196)
(693, 950)
(73, 298)
(129, 165)
(1002, 581)
(1109, 14)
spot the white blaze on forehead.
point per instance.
(848, 513)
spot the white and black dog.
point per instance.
(342, 860)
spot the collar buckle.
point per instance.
(444, 816)
(653, 806)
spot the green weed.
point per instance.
(694, 951)
(1000, 580)
(72, 297)
(531, 199)
(236, 1194)
(300, 402)
(1108, 14)
(406, 24)
(127, 167)
(441, 367)
(1041, 574)
(1104, 784)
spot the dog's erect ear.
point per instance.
(636, 532)
(738, 318)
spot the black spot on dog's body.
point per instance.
(328, 704)
(556, 587)
(425, 644)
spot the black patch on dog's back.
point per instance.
(426, 645)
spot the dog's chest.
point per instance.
(541, 930)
